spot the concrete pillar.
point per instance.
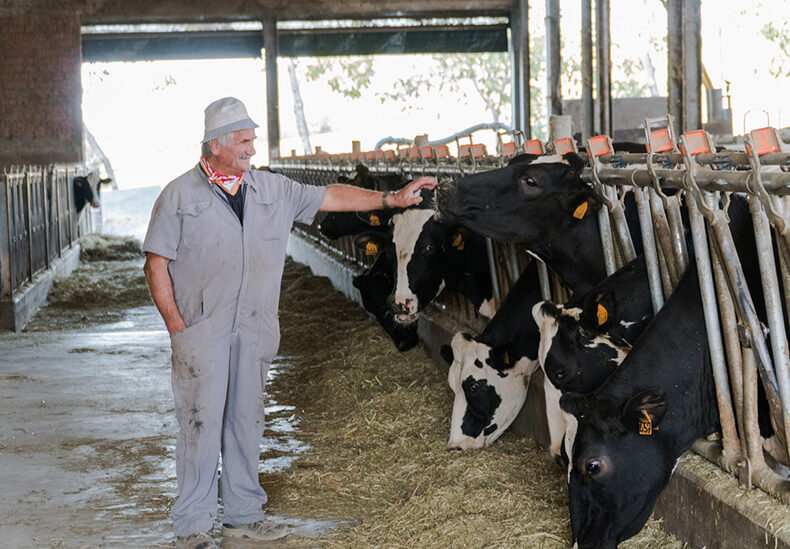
(519, 46)
(40, 88)
(272, 95)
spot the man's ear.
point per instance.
(446, 352)
(599, 311)
(522, 159)
(643, 412)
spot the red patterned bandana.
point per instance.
(230, 183)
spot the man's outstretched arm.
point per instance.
(345, 198)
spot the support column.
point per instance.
(272, 96)
(604, 43)
(692, 66)
(588, 106)
(40, 89)
(553, 67)
(519, 40)
(675, 61)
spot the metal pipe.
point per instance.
(543, 279)
(715, 344)
(553, 59)
(492, 272)
(605, 230)
(672, 207)
(604, 48)
(692, 66)
(620, 224)
(773, 306)
(588, 105)
(522, 98)
(675, 60)
(649, 246)
(661, 227)
(269, 30)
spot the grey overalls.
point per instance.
(226, 283)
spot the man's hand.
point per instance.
(410, 194)
(161, 287)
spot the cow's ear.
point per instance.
(342, 179)
(643, 412)
(371, 242)
(362, 171)
(599, 311)
(446, 352)
(522, 159)
(582, 203)
(544, 310)
(575, 404)
(575, 163)
(456, 237)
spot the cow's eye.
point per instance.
(474, 387)
(593, 467)
(428, 247)
(529, 182)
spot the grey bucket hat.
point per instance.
(224, 116)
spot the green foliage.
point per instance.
(779, 34)
(347, 75)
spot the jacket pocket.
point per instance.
(198, 225)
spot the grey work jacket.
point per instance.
(219, 268)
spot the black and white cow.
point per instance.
(489, 373)
(83, 193)
(363, 178)
(542, 204)
(583, 341)
(375, 285)
(337, 224)
(431, 256)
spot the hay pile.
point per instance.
(378, 421)
(103, 247)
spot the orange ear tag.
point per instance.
(580, 210)
(371, 248)
(603, 315)
(458, 242)
(645, 424)
(374, 221)
(506, 358)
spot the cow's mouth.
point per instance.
(406, 318)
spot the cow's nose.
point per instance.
(405, 304)
(454, 448)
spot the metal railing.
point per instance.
(40, 221)
(702, 179)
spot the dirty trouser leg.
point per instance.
(200, 372)
(241, 491)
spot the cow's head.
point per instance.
(83, 193)
(576, 352)
(522, 202)
(618, 466)
(490, 387)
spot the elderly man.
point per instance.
(215, 251)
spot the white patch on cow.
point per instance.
(487, 308)
(550, 159)
(512, 389)
(555, 417)
(571, 428)
(407, 227)
(547, 325)
(626, 324)
(604, 340)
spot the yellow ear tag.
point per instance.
(371, 248)
(374, 221)
(603, 315)
(645, 424)
(580, 210)
(506, 358)
(458, 242)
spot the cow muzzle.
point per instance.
(405, 309)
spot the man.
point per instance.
(215, 251)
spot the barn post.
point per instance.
(604, 47)
(553, 57)
(272, 97)
(692, 66)
(5, 237)
(675, 62)
(588, 107)
(519, 40)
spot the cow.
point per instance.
(489, 373)
(375, 285)
(431, 256)
(83, 193)
(337, 224)
(542, 204)
(583, 341)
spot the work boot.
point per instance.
(201, 540)
(263, 530)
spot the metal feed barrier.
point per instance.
(41, 221)
(703, 180)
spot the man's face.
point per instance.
(234, 158)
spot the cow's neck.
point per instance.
(574, 252)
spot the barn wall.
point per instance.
(40, 91)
